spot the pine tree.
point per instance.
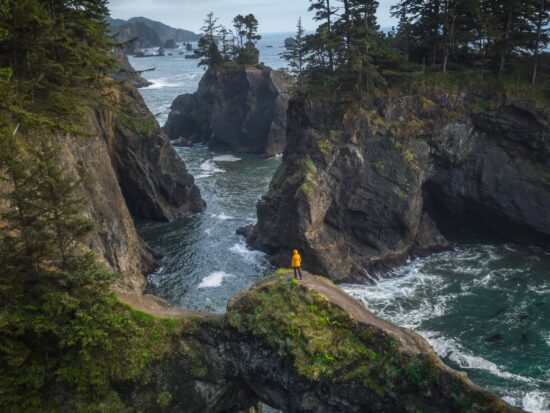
(296, 54)
(240, 30)
(324, 13)
(54, 299)
(540, 22)
(207, 49)
(247, 31)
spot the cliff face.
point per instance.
(363, 189)
(127, 73)
(128, 170)
(240, 108)
(303, 348)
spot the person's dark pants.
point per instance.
(298, 273)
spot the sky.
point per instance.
(273, 15)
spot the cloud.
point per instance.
(274, 16)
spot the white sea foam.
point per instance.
(226, 158)
(390, 296)
(222, 217)
(249, 256)
(214, 280)
(450, 348)
(162, 84)
(536, 402)
(209, 168)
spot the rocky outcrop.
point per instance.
(128, 169)
(304, 347)
(126, 73)
(170, 44)
(363, 189)
(153, 178)
(240, 108)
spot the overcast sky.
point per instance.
(273, 15)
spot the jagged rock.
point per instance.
(170, 44)
(128, 169)
(183, 142)
(153, 178)
(290, 42)
(364, 189)
(240, 108)
(126, 73)
(305, 347)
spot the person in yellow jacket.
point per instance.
(297, 265)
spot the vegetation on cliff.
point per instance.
(63, 334)
(336, 344)
(492, 45)
(64, 337)
(219, 46)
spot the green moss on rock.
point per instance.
(143, 125)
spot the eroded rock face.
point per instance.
(304, 348)
(240, 108)
(128, 170)
(363, 189)
(153, 178)
(126, 73)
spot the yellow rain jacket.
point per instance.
(296, 260)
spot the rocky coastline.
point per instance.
(363, 189)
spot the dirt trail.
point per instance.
(150, 304)
(411, 341)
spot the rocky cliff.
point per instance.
(128, 169)
(364, 188)
(125, 72)
(304, 347)
(243, 109)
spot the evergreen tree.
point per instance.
(240, 30)
(53, 296)
(226, 42)
(251, 25)
(57, 54)
(324, 13)
(296, 54)
(247, 32)
(540, 22)
(207, 49)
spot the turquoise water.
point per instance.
(485, 308)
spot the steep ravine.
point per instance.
(363, 189)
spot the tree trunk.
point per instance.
(537, 43)
(347, 24)
(504, 49)
(435, 30)
(329, 24)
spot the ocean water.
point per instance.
(485, 308)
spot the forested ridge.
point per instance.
(64, 337)
(495, 45)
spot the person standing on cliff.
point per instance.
(297, 265)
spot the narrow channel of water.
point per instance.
(485, 308)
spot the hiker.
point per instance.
(297, 265)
